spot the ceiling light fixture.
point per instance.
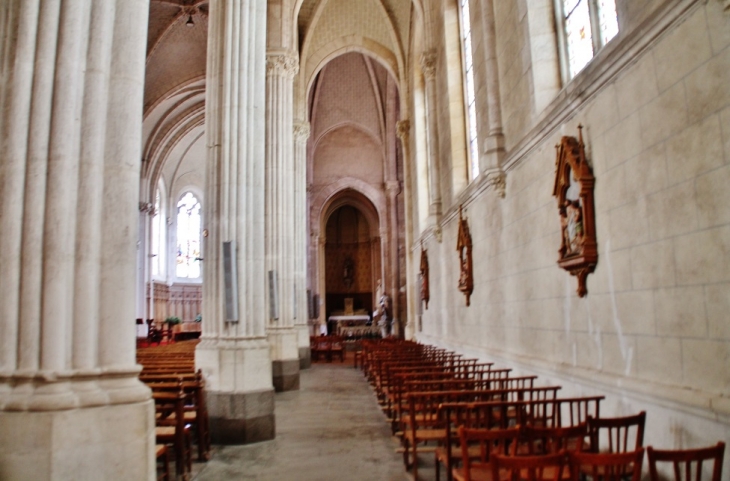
(190, 22)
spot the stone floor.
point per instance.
(332, 428)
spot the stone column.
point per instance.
(428, 67)
(234, 353)
(71, 405)
(491, 160)
(403, 129)
(301, 214)
(392, 189)
(281, 228)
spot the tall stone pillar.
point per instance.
(281, 228)
(392, 189)
(71, 404)
(234, 352)
(428, 67)
(403, 129)
(494, 152)
(301, 214)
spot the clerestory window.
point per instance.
(469, 96)
(588, 25)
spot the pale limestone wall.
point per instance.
(653, 331)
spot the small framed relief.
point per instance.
(463, 246)
(574, 181)
(425, 292)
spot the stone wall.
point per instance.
(653, 331)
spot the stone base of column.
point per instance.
(285, 375)
(241, 418)
(305, 357)
(103, 442)
(305, 351)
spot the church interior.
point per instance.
(537, 184)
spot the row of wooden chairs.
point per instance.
(180, 409)
(327, 348)
(429, 396)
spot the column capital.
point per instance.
(301, 131)
(428, 63)
(282, 65)
(403, 129)
(147, 208)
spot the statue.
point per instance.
(348, 272)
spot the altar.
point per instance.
(342, 322)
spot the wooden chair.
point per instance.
(682, 462)
(489, 442)
(607, 466)
(163, 471)
(624, 433)
(337, 348)
(552, 440)
(179, 434)
(548, 467)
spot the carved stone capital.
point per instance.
(497, 179)
(403, 129)
(438, 233)
(428, 63)
(301, 132)
(282, 65)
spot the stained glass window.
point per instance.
(469, 88)
(589, 25)
(188, 237)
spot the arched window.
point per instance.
(588, 25)
(188, 237)
(469, 97)
(159, 236)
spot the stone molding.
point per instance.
(282, 65)
(428, 63)
(497, 179)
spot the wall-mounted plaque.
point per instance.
(574, 181)
(463, 246)
(425, 292)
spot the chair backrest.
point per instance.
(683, 460)
(620, 432)
(490, 442)
(607, 466)
(549, 467)
(553, 440)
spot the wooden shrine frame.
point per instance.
(463, 245)
(425, 289)
(574, 182)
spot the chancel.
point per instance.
(159, 158)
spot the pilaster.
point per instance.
(301, 324)
(428, 67)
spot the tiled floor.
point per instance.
(331, 429)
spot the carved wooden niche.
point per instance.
(463, 245)
(574, 183)
(425, 290)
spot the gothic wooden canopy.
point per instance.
(574, 181)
